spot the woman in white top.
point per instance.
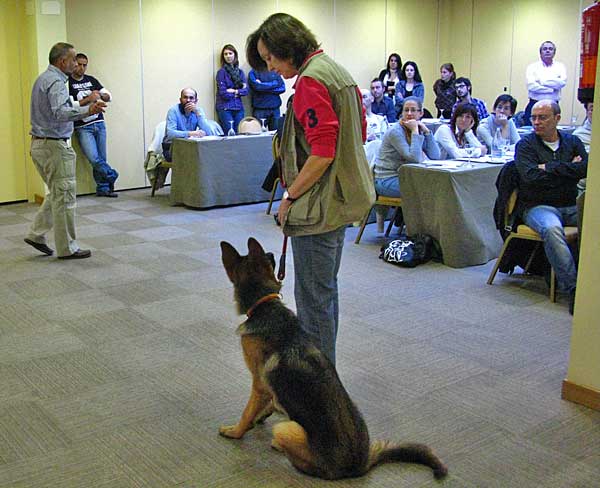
(453, 138)
(504, 109)
(391, 74)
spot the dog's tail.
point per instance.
(386, 451)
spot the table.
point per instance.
(455, 206)
(220, 170)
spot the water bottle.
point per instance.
(497, 144)
(384, 126)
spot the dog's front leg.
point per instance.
(258, 401)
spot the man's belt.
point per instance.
(64, 139)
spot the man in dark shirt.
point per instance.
(550, 163)
(91, 130)
(382, 105)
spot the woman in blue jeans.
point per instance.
(231, 87)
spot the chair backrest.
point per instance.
(371, 150)
(510, 206)
(249, 125)
(157, 138)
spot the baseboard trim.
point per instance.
(580, 394)
(39, 199)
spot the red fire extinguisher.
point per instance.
(590, 26)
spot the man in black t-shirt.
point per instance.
(91, 131)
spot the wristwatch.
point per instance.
(286, 196)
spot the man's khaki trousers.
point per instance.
(55, 162)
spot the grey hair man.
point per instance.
(52, 116)
(550, 163)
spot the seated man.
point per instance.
(382, 105)
(184, 120)
(374, 121)
(550, 163)
(464, 88)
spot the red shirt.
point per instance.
(314, 110)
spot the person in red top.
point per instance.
(323, 135)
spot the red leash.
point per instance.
(281, 272)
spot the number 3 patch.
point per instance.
(312, 117)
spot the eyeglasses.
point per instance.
(541, 118)
(461, 85)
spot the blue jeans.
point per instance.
(388, 187)
(92, 139)
(225, 116)
(549, 223)
(317, 261)
(271, 116)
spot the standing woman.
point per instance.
(390, 75)
(410, 85)
(231, 87)
(328, 180)
(445, 94)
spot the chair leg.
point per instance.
(363, 224)
(275, 184)
(497, 265)
(155, 182)
(552, 285)
(531, 256)
(391, 224)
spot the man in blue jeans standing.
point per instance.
(550, 163)
(91, 130)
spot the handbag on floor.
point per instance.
(411, 251)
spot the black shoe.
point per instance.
(79, 254)
(40, 247)
(109, 194)
(572, 302)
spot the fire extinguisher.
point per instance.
(590, 26)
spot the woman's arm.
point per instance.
(224, 83)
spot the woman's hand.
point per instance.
(502, 120)
(411, 125)
(423, 129)
(230, 90)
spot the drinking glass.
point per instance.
(264, 127)
(471, 152)
(230, 132)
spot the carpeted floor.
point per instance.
(116, 371)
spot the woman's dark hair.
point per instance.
(398, 61)
(449, 67)
(414, 65)
(285, 37)
(464, 108)
(229, 47)
(504, 98)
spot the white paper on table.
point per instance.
(445, 164)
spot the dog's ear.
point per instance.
(254, 248)
(230, 258)
(271, 259)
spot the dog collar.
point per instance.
(267, 298)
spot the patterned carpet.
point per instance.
(116, 371)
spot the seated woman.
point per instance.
(410, 85)
(408, 142)
(504, 109)
(454, 138)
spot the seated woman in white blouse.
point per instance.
(504, 109)
(454, 138)
(408, 142)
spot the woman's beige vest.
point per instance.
(345, 191)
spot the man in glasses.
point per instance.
(463, 89)
(550, 163)
(545, 78)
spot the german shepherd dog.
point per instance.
(325, 435)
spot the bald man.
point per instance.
(184, 120)
(550, 163)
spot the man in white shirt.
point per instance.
(374, 121)
(545, 78)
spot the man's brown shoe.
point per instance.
(79, 254)
(40, 247)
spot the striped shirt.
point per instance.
(52, 111)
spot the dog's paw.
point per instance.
(231, 431)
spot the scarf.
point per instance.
(234, 74)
